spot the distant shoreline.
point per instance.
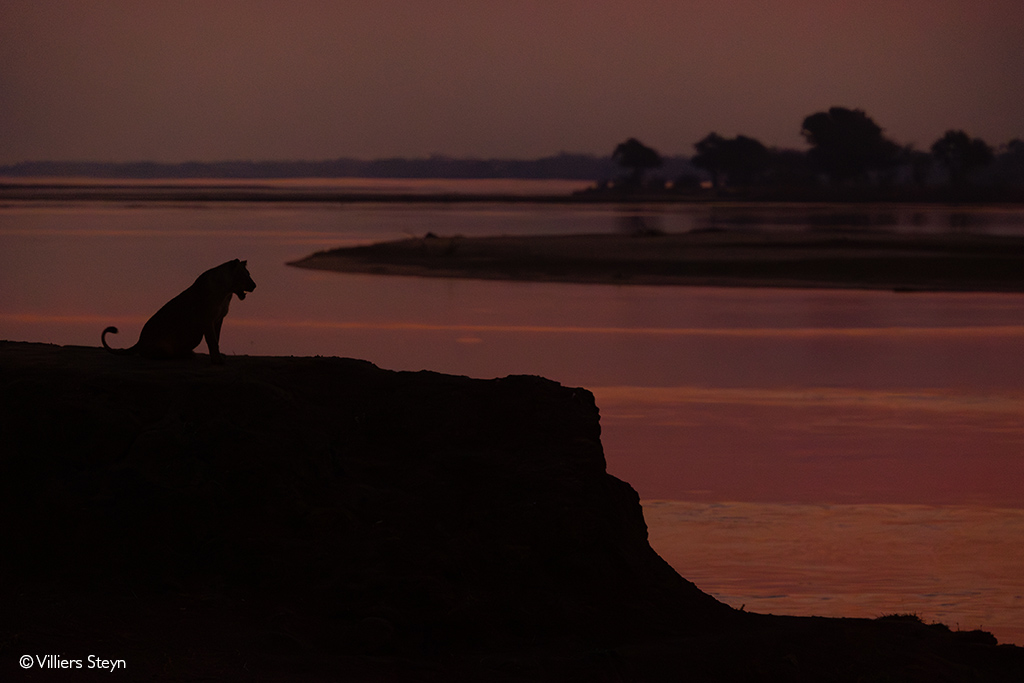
(323, 190)
(790, 259)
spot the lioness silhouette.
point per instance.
(176, 329)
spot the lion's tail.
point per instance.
(119, 352)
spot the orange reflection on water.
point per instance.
(958, 565)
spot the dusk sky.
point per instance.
(107, 80)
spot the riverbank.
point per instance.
(321, 517)
(722, 258)
(430, 190)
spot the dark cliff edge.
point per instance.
(323, 519)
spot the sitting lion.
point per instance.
(177, 328)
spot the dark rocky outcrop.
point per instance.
(323, 519)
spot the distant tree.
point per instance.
(919, 163)
(961, 154)
(748, 159)
(711, 156)
(846, 144)
(740, 160)
(788, 167)
(637, 158)
(1008, 168)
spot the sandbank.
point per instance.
(719, 258)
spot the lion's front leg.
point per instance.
(213, 341)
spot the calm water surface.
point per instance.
(799, 451)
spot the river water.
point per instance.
(842, 453)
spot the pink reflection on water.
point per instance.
(956, 565)
(817, 445)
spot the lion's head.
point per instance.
(241, 281)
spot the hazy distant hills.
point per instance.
(562, 167)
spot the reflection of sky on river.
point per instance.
(816, 445)
(947, 564)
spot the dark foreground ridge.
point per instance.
(322, 519)
(723, 258)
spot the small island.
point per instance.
(761, 258)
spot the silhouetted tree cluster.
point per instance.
(1008, 165)
(961, 154)
(846, 144)
(741, 160)
(847, 148)
(637, 158)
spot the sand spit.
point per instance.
(813, 259)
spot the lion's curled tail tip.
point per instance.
(103, 338)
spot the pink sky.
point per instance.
(279, 79)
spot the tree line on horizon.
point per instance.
(847, 148)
